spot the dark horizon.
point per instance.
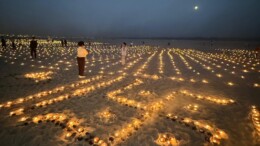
(133, 38)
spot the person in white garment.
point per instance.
(81, 55)
(123, 53)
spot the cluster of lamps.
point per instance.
(49, 92)
(39, 76)
(222, 101)
(161, 62)
(167, 139)
(106, 116)
(212, 133)
(76, 93)
(192, 107)
(255, 117)
(177, 70)
(71, 127)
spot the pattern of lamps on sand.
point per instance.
(147, 76)
(106, 116)
(102, 69)
(131, 64)
(136, 83)
(211, 132)
(207, 67)
(126, 102)
(181, 79)
(49, 92)
(219, 66)
(221, 101)
(39, 76)
(177, 70)
(167, 139)
(202, 58)
(192, 107)
(128, 66)
(100, 60)
(255, 117)
(106, 60)
(195, 80)
(234, 62)
(71, 127)
(113, 95)
(42, 53)
(152, 107)
(218, 75)
(38, 95)
(58, 62)
(139, 69)
(161, 64)
(128, 129)
(63, 54)
(76, 93)
(57, 66)
(144, 66)
(144, 93)
(239, 59)
(186, 63)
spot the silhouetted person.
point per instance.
(89, 46)
(33, 46)
(81, 55)
(13, 44)
(3, 43)
(65, 43)
(124, 53)
(257, 52)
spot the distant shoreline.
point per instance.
(136, 38)
(184, 38)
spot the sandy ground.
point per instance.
(192, 97)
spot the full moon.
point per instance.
(196, 7)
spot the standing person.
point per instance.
(81, 55)
(65, 43)
(13, 44)
(89, 46)
(3, 43)
(33, 46)
(257, 52)
(123, 52)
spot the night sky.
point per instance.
(132, 18)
